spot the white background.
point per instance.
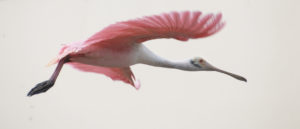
(260, 41)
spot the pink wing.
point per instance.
(122, 74)
(181, 26)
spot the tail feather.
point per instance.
(53, 61)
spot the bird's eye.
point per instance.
(201, 61)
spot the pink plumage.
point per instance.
(124, 74)
(114, 49)
(120, 36)
(181, 26)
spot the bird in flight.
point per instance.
(114, 49)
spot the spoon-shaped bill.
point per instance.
(232, 75)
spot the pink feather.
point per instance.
(122, 74)
(169, 25)
(181, 26)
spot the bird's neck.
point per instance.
(148, 57)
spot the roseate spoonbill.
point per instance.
(115, 48)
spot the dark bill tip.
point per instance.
(242, 79)
(232, 75)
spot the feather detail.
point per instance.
(122, 74)
(180, 26)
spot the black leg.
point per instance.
(46, 85)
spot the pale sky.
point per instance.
(260, 42)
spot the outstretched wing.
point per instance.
(122, 74)
(178, 25)
(181, 26)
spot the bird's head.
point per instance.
(202, 65)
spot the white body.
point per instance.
(138, 53)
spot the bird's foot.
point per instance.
(41, 87)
